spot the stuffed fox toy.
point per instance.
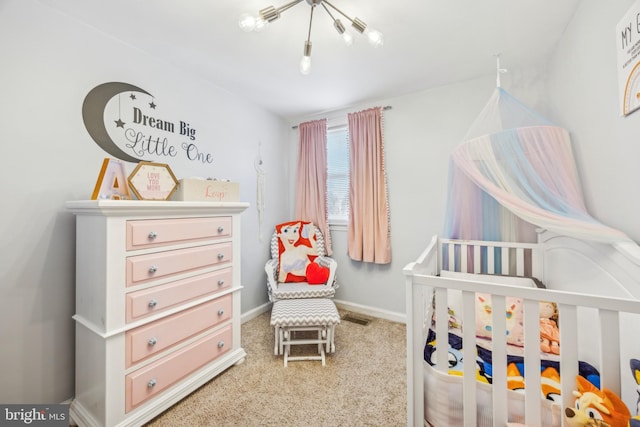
(594, 404)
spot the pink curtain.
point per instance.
(311, 185)
(369, 238)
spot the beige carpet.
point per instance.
(362, 384)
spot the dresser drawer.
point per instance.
(160, 298)
(155, 337)
(149, 233)
(142, 268)
(147, 382)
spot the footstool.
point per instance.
(309, 314)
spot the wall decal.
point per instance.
(126, 122)
(93, 109)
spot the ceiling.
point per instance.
(427, 43)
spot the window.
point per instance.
(338, 175)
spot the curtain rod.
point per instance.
(385, 108)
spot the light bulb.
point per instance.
(261, 24)
(247, 22)
(347, 38)
(305, 65)
(374, 36)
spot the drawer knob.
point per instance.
(220, 255)
(220, 312)
(220, 282)
(153, 341)
(152, 235)
(153, 303)
(220, 229)
(153, 269)
(152, 383)
(220, 344)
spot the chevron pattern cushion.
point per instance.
(304, 312)
(302, 290)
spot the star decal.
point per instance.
(152, 105)
(132, 96)
(119, 123)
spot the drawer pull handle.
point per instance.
(220, 344)
(152, 383)
(220, 256)
(153, 341)
(153, 269)
(152, 235)
(220, 312)
(153, 303)
(220, 282)
(220, 229)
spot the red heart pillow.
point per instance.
(317, 274)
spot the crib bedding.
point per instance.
(549, 365)
(591, 285)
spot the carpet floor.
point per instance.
(362, 384)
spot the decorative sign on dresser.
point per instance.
(153, 181)
(157, 304)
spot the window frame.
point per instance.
(333, 221)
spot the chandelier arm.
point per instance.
(328, 11)
(337, 10)
(338, 26)
(288, 6)
(310, 22)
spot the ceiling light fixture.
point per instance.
(269, 14)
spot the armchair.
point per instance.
(307, 272)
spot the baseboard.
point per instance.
(372, 311)
(255, 312)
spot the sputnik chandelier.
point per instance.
(269, 14)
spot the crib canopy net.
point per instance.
(515, 172)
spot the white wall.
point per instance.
(583, 93)
(577, 89)
(421, 130)
(50, 62)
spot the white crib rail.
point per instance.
(423, 282)
(608, 309)
(426, 264)
(475, 256)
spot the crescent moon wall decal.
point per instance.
(93, 109)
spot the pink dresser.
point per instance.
(157, 304)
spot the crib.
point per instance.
(596, 288)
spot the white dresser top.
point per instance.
(155, 207)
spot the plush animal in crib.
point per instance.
(549, 332)
(456, 362)
(594, 404)
(635, 371)
(550, 384)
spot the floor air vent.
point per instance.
(355, 319)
